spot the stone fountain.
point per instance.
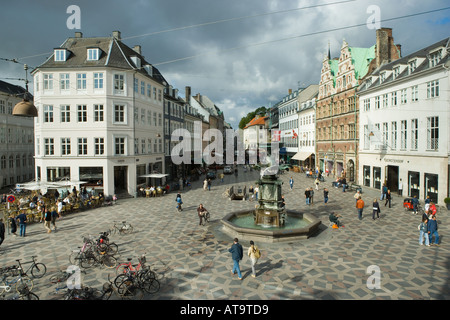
(270, 221)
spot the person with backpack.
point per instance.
(254, 253)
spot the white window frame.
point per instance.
(48, 113)
(48, 81)
(414, 134)
(64, 81)
(60, 55)
(433, 133)
(81, 81)
(123, 112)
(82, 115)
(99, 146)
(98, 80)
(49, 146)
(119, 84)
(98, 113)
(433, 89)
(65, 146)
(122, 141)
(93, 54)
(65, 113)
(82, 146)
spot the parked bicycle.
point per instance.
(20, 281)
(24, 294)
(90, 254)
(38, 269)
(124, 228)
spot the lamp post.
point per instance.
(25, 108)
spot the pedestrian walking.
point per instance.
(423, 229)
(47, 219)
(357, 195)
(311, 195)
(256, 192)
(209, 184)
(237, 254)
(55, 216)
(360, 207)
(388, 198)
(205, 184)
(291, 183)
(254, 254)
(201, 211)
(325, 195)
(317, 182)
(307, 196)
(221, 177)
(22, 219)
(433, 230)
(376, 209)
(2, 231)
(13, 224)
(415, 203)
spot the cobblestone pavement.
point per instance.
(193, 262)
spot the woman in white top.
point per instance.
(251, 254)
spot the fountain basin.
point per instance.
(299, 226)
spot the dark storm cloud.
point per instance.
(240, 64)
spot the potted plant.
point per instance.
(447, 202)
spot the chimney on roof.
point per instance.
(290, 91)
(117, 35)
(78, 34)
(138, 49)
(386, 51)
(188, 94)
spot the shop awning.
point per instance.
(154, 175)
(301, 156)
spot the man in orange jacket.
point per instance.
(360, 207)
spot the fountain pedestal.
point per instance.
(269, 211)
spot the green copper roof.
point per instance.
(361, 58)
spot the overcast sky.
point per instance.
(242, 54)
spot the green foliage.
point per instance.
(261, 110)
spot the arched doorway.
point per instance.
(350, 170)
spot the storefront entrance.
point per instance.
(120, 179)
(392, 178)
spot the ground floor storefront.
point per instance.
(410, 176)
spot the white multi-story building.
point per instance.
(288, 109)
(16, 139)
(100, 106)
(307, 126)
(404, 124)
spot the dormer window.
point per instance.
(383, 76)
(93, 54)
(412, 65)
(396, 72)
(60, 54)
(435, 57)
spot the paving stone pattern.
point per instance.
(193, 262)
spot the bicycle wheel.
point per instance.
(24, 283)
(119, 279)
(207, 216)
(149, 282)
(29, 296)
(130, 290)
(3, 287)
(38, 270)
(108, 261)
(122, 268)
(127, 229)
(74, 257)
(87, 260)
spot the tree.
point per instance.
(245, 120)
